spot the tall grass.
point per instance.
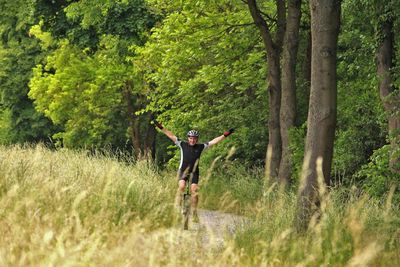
(231, 188)
(66, 205)
(66, 208)
(350, 230)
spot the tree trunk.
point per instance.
(325, 23)
(274, 135)
(385, 58)
(150, 142)
(273, 51)
(133, 119)
(288, 99)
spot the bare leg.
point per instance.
(179, 193)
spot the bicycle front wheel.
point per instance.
(186, 211)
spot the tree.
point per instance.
(273, 48)
(206, 67)
(325, 22)
(19, 53)
(390, 95)
(82, 94)
(288, 100)
(88, 84)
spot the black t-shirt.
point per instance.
(190, 155)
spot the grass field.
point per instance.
(68, 208)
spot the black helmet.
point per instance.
(193, 133)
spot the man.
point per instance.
(189, 165)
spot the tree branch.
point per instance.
(261, 25)
(268, 17)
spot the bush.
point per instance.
(376, 177)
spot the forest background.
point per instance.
(88, 74)
(311, 88)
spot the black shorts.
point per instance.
(182, 175)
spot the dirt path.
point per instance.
(201, 245)
(212, 233)
(215, 226)
(204, 240)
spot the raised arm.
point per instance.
(218, 139)
(167, 132)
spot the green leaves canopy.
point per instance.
(207, 65)
(18, 54)
(80, 87)
(84, 95)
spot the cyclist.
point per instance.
(190, 156)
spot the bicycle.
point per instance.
(186, 204)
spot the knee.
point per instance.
(194, 189)
(181, 186)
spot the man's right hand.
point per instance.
(229, 132)
(155, 122)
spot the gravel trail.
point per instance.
(215, 226)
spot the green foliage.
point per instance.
(297, 137)
(361, 128)
(82, 94)
(19, 53)
(377, 179)
(207, 66)
(5, 127)
(81, 87)
(202, 66)
(129, 20)
(361, 124)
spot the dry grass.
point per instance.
(68, 208)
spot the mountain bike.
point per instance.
(186, 203)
